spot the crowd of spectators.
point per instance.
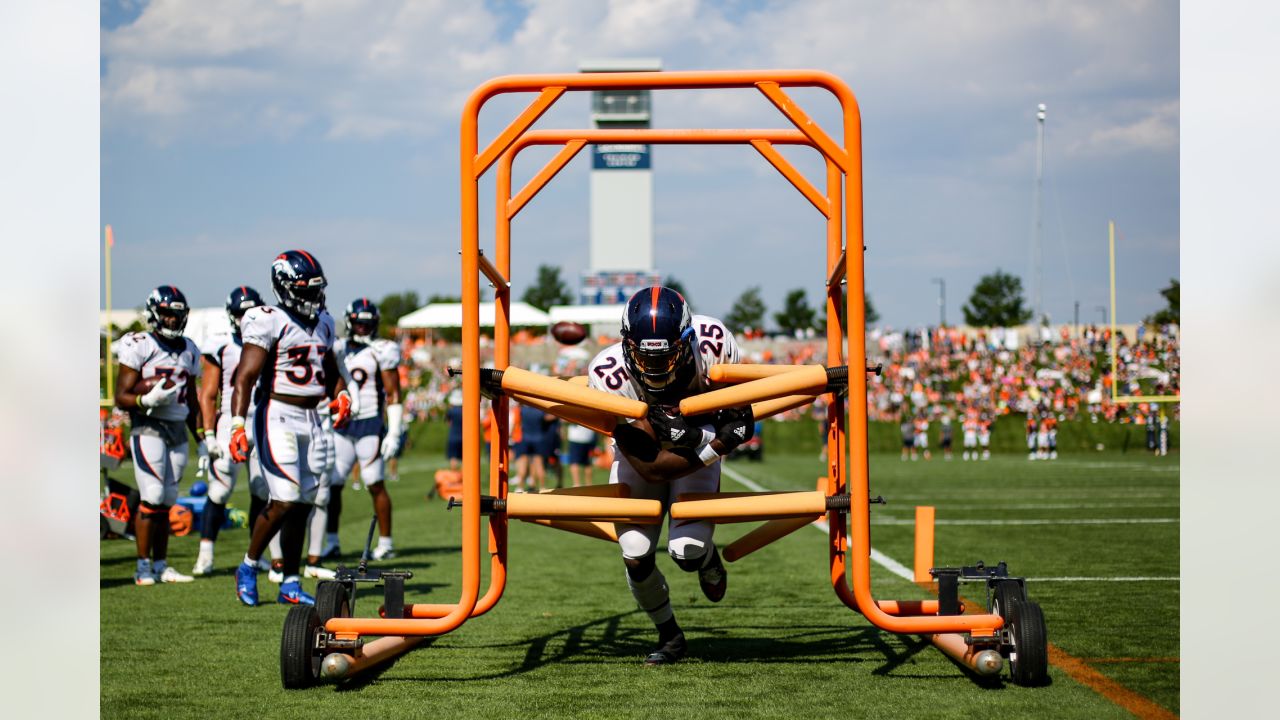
(937, 372)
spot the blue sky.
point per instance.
(236, 129)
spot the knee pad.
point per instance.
(635, 545)
(687, 552)
(220, 489)
(640, 568)
(688, 564)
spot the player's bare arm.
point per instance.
(126, 379)
(391, 386)
(210, 383)
(252, 359)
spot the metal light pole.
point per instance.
(1076, 319)
(942, 301)
(1105, 318)
(1038, 250)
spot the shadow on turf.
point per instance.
(605, 640)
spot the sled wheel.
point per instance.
(299, 662)
(332, 601)
(1002, 595)
(1029, 653)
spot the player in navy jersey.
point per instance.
(288, 364)
(665, 356)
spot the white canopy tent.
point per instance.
(588, 314)
(449, 315)
(602, 319)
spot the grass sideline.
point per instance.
(566, 640)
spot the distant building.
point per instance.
(621, 257)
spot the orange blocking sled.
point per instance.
(330, 640)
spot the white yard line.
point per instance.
(1045, 521)
(1107, 579)
(906, 573)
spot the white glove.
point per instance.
(202, 463)
(211, 445)
(159, 396)
(395, 427)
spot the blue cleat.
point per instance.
(247, 584)
(291, 593)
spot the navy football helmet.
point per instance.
(167, 311)
(240, 300)
(657, 342)
(362, 320)
(298, 282)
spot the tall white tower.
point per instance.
(621, 259)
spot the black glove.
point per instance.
(671, 427)
(735, 426)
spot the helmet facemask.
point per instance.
(169, 321)
(362, 326)
(660, 367)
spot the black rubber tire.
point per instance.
(299, 663)
(1002, 593)
(1029, 656)
(332, 601)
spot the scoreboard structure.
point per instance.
(621, 256)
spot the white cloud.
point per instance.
(1156, 130)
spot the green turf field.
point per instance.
(1096, 534)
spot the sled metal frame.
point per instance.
(849, 545)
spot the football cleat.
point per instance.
(247, 584)
(170, 575)
(383, 553)
(291, 593)
(319, 573)
(713, 579)
(203, 566)
(276, 573)
(668, 652)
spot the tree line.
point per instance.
(996, 301)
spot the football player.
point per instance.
(288, 354)
(373, 363)
(169, 362)
(664, 356)
(221, 357)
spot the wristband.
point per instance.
(708, 454)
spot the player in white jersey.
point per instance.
(156, 384)
(221, 357)
(372, 363)
(288, 355)
(665, 355)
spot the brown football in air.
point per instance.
(569, 333)
(144, 385)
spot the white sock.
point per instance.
(384, 542)
(206, 547)
(652, 596)
(248, 560)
